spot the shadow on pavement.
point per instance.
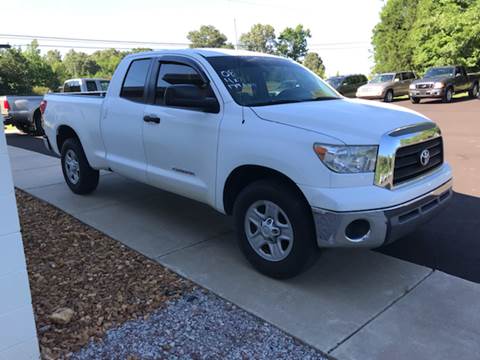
(28, 142)
(450, 242)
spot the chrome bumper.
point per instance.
(373, 228)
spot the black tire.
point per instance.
(474, 91)
(87, 176)
(448, 95)
(37, 122)
(415, 100)
(388, 96)
(303, 249)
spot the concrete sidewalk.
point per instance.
(352, 304)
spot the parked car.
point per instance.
(23, 112)
(347, 85)
(298, 169)
(85, 85)
(443, 82)
(386, 86)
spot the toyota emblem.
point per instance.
(425, 157)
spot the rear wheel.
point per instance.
(448, 95)
(414, 100)
(474, 92)
(388, 96)
(275, 229)
(79, 176)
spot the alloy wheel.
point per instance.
(269, 230)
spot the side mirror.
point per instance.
(458, 75)
(191, 96)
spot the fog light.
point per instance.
(357, 230)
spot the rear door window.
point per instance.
(133, 87)
(91, 86)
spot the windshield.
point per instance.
(104, 85)
(380, 78)
(259, 80)
(336, 81)
(443, 71)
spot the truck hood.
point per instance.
(439, 78)
(352, 121)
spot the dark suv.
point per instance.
(347, 85)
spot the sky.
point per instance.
(341, 29)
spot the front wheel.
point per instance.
(448, 96)
(79, 176)
(388, 98)
(474, 92)
(414, 100)
(275, 229)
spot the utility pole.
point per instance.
(235, 29)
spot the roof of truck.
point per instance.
(206, 52)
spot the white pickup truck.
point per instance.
(263, 139)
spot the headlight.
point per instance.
(347, 159)
(412, 86)
(438, 85)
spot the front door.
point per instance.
(122, 123)
(180, 142)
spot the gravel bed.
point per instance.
(199, 325)
(83, 282)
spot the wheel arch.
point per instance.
(65, 132)
(243, 175)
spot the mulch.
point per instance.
(74, 266)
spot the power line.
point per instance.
(325, 46)
(69, 39)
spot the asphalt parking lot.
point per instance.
(450, 242)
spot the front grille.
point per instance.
(408, 163)
(424, 86)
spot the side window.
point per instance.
(91, 86)
(72, 86)
(133, 87)
(176, 74)
(398, 77)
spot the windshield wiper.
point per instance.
(285, 101)
(275, 102)
(321, 98)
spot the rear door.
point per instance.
(122, 123)
(181, 143)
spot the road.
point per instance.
(450, 242)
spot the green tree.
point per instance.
(79, 64)
(54, 59)
(314, 62)
(260, 38)
(447, 33)
(392, 36)
(14, 73)
(424, 33)
(107, 60)
(208, 36)
(292, 42)
(40, 72)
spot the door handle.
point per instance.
(152, 119)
